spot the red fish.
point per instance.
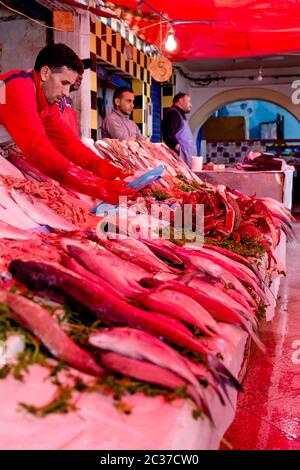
(39, 321)
(103, 304)
(14, 233)
(39, 212)
(143, 346)
(182, 307)
(131, 249)
(108, 266)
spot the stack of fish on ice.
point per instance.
(161, 306)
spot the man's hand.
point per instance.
(111, 191)
(87, 183)
(106, 170)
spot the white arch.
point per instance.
(238, 94)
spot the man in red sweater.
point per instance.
(68, 114)
(30, 115)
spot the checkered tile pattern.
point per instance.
(107, 46)
(231, 152)
(169, 90)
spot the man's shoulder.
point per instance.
(13, 75)
(4, 75)
(113, 116)
(172, 114)
(17, 83)
(107, 117)
(173, 111)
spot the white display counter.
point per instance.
(275, 184)
(153, 423)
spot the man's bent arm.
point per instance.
(20, 117)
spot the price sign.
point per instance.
(63, 20)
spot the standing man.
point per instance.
(118, 124)
(31, 118)
(176, 131)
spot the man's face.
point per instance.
(76, 85)
(185, 103)
(56, 85)
(125, 103)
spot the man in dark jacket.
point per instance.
(30, 115)
(176, 131)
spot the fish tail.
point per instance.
(220, 371)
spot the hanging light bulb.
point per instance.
(171, 43)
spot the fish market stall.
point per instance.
(272, 184)
(275, 184)
(135, 341)
(97, 423)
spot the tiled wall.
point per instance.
(231, 152)
(168, 92)
(156, 102)
(107, 46)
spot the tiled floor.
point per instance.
(268, 412)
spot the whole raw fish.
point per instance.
(143, 346)
(77, 268)
(122, 275)
(8, 169)
(216, 302)
(224, 251)
(145, 371)
(12, 214)
(39, 321)
(13, 233)
(236, 269)
(206, 265)
(182, 307)
(107, 307)
(137, 252)
(158, 247)
(39, 212)
(103, 304)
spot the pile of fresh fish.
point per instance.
(148, 330)
(19, 176)
(158, 303)
(162, 307)
(142, 156)
(227, 213)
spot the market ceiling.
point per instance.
(217, 28)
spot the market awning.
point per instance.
(218, 28)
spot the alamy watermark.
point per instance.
(296, 353)
(155, 221)
(295, 97)
(3, 354)
(2, 92)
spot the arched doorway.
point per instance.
(229, 96)
(232, 153)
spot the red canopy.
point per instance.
(228, 28)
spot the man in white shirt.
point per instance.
(118, 124)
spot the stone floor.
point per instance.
(268, 412)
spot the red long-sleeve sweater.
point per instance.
(36, 127)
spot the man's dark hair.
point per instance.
(87, 63)
(119, 92)
(56, 56)
(178, 97)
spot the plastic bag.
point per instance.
(138, 183)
